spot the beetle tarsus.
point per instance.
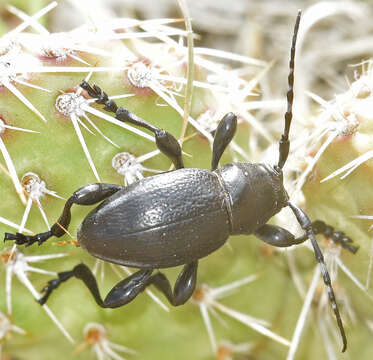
(20, 239)
(84, 85)
(338, 237)
(54, 284)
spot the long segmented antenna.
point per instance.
(306, 225)
(284, 142)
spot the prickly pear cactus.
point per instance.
(55, 139)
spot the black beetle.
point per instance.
(177, 217)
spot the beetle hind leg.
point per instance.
(121, 294)
(184, 286)
(126, 290)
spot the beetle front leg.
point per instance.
(87, 195)
(121, 294)
(184, 286)
(338, 237)
(280, 237)
(306, 225)
(277, 236)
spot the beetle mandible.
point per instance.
(177, 217)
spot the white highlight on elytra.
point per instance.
(96, 336)
(18, 264)
(205, 297)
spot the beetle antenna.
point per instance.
(284, 142)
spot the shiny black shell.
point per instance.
(161, 221)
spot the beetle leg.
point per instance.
(277, 236)
(184, 286)
(338, 237)
(121, 294)
(87, 195)
(166, 142)
(306, 225)
(223, 136)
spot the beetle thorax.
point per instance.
(254, 193)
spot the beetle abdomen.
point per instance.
(161, 221)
